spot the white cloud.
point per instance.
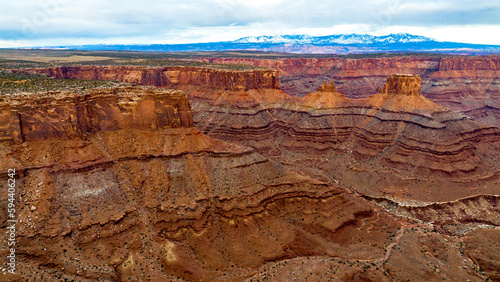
(476, 34)
(65, 22)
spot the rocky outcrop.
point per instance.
(455, 218)
(66, 115)
(327, 87)
(137, 193)
(327, 97)
(170, 77)
(457, 82)
(116, 184)
(402, 84)
(414, 143)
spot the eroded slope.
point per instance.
(181, 205)
(124, 187)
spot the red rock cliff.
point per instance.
(171, 77)
(64, 115)
(402, 84)
(459, 83)
(286, 67)
(481, 63)
(355, 77)
(470, 84)
(384, 65)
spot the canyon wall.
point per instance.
(117, 184)
(170, 77)
(466, 83)
(469, 84)
(286, 67)
(398, 133)
(356, 78)
(66, 115)
(398, 127)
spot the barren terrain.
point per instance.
(242, 166)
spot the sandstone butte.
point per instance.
(139, 183)
(464, 83)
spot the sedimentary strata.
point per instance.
(467, 84)
(457, 82)
(422, 145)
(170, 77)
(118, 184)
(140, 194)
(67, 115)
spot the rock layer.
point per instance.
(469, 84)
(421, 145)
(171, 77)
(397, 128)
(66, 115)
(142, 198)
(459, 83)
(143, 202)
(402, 85)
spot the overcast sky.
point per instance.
(67, 22)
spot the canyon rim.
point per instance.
(234, 167)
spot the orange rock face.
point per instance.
(469, 84)
(398, 133)
(117, 184)
(171, 77)
(356, 78)
(327, 87)
(398, 84)
(65, 115)
(135, 201)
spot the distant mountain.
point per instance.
(288, 39)
(344, 39)
(331, 44)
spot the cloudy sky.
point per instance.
(66, 22)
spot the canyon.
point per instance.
(399, 130)
(364, 173)
(415, 143)
(466, 84)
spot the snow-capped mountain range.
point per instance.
(307, 44)
(364, 39)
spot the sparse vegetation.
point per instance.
(243, 219)
(12, 83)
(21, 59)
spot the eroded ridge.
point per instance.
(171, 77)
(66, 114)
(398, 131)
(144, 202)
(402, 84)
(138, 193)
